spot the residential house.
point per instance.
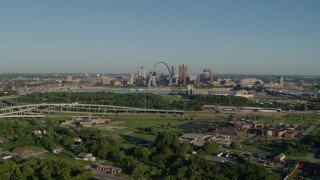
(67, 122)
(109, 169)
(40, 132)
(57, 150)
(270, 132)
(280, 157)
(85, 123)
(280, 133)
(37, 131)
(21, 151)
(289, 135)
(257, 125)
(78, 140)
(85, 156)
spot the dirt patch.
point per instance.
(195, 125)
(109, 127)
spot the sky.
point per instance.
(119, 36)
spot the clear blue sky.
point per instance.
(228, 36)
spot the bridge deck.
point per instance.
(15, 110)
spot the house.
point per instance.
(280, 157)
(270, 132)
(37, 131)
(85, 123)
(85, 157)
(291, 127)
(289, 135)
(109, 169)
(40, 132)
(57, 150)
(257, 125)
(67, 122)
(20, 151)
(78, 140)
(280, 133)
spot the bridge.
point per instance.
(32, 110)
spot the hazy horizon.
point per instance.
(230, 37)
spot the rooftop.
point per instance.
(194, 136)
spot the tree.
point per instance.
(210, 147)
(230, 117)
(233, 145)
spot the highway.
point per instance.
(26, 110)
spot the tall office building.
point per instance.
(173, 70)
(131, 79)
(206, 74)
(154, 80)
(69, 78)
(281, 81)
(183, 73)
(142, 72)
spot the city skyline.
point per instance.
(229, 37)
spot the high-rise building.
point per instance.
(154, 80)
(207, 76)
(131, 79)
(281, 81)
(183, 73)
(69, 78)
(173, 70)
(142, 72)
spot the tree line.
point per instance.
(150, 101)
(43, 169)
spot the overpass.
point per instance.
(30, 110)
